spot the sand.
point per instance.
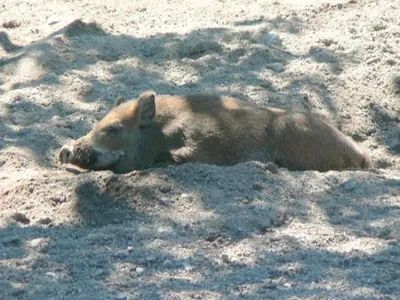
(197, 231)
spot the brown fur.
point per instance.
(211, 129)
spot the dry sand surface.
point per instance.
(197, 231)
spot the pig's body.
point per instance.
(210, 129)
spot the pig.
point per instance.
(158, 130)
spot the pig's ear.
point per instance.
(119, 101)
(147, 108)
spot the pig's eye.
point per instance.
(113, 129)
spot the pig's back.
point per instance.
(213, 129)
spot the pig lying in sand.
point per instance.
(160, 130)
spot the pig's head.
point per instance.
(114, 142)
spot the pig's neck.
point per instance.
(153, 149)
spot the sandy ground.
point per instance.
(197, 231)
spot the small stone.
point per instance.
(392, 182)
(51, 274)
(93, 52)
(270, 285)
(257, 186)
(185, 196)
(289, 284)
(53, 20)
(340, 5)
(384, 114)
(172, 264)
(382, 163)
(164, 202)
(150, 258)
(277, 67)
(59, 122)
(98, 273)
(130, 249)
(73, 171)
(85, 90)
(11, 24)
(378, 27)
(320, 54)
(373, 145)
(165, 188)
(225, 258)
(140, 270)
(327, 42)
(21, 218)
(122, 297)
(39, 244)
(188, 267)
(167, 263)
(391, 61)
(385, 233)
(57, 199)
(370, 131)
(262, 197)
(212, 237)
(12, 242)
(358, 137)
(396, 79)
(165, 229)
(272, 39)
(350, 185)
(44, 221)
(373, 60)
(352, 30)
(56, 118)
(345, 115)
(273, 168)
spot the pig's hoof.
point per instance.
(65, 155)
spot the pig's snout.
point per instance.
(79, 154)
(65, 155)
